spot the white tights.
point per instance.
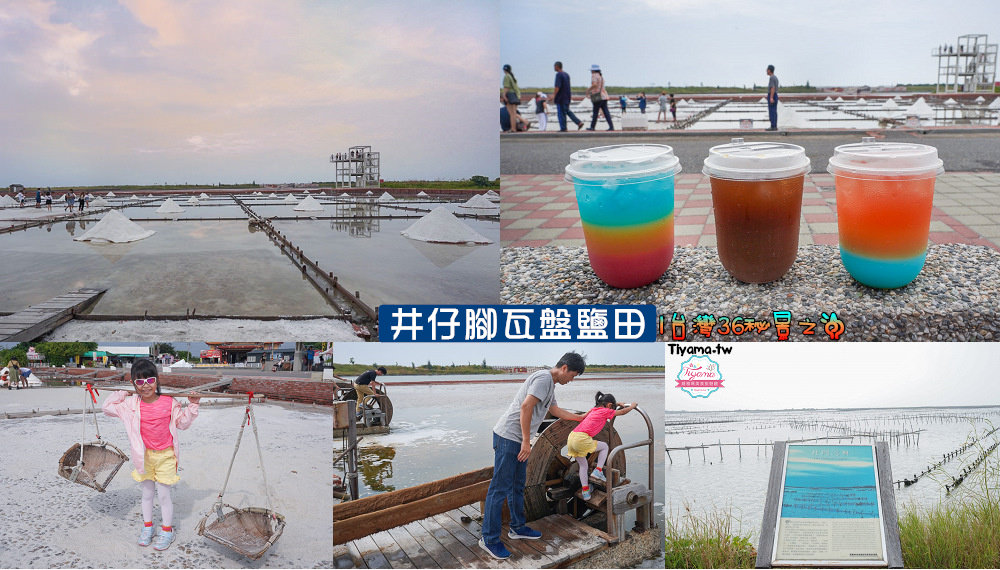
(166, 503)
(602, 454)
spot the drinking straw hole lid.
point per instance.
(885, 159)
(622, 161)
(741, 160)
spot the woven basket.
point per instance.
(249, 531)
(101, 461)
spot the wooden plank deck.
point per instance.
(451, 540)
(37, 320)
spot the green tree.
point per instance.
(59, 353)
(480, 181)
(163, 348)
(183, 355)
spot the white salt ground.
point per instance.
(441, 226)
(237, 330)
(169, 207)
(56, 523)
(114, 227)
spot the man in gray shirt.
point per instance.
(512, 446)
(772, 98)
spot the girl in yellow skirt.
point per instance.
(151, 422)
(581, 441)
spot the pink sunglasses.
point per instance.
(142, 381)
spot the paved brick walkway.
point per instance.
(538, 210)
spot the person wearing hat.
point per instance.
(599, 97)
(541, 110)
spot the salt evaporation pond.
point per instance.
(442, 430)
(739, 486)
(184, 265)
(370, 255)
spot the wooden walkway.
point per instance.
(451, 540)
(37, 320)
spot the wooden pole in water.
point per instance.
(720, 450)
(739, 446)
(670, 458)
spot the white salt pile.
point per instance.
(272, 195)
(422, 194)
(839, 100)
(99, 203)
(110, 194)
(309, 204)
(134, 197)
(921, 109)
(441, 226)
(828, 98)
(890, 104)
(169, 207)
(345, 195)
(861, 101)
(492, 195)
(980, 100)
(149, 195)
(995, 104)
(951, 102)
(386, 197)
(8, 201)
(114, 227)
(290, 199)
(762, 100)
(479, 202)
(323, 193)
(203, 196)
(307, 192)
(193, 201)
(369, 193)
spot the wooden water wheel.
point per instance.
(377, 401)
(550, 468)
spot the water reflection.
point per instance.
(375, 465)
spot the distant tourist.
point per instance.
(662, 100)
(772, 98)
(541, 111)
(511, 94)
(623, 101)
(48, 200)
(154, 444)
(599, 97)
(673, 107)
(505, 122)
(70, 201)
(580, 442)
(562, 97)
(83, 199)
(512, 446)
(20, 198)
(642, 102)
(13, 374)
(38, 198)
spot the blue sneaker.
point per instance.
(146, 536)
(599, 475)
(498, 550)
(524, 532)
(163, 540)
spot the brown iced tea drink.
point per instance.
(757, 226)
(757, 197)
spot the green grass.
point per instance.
(707, 541)
(965, 535)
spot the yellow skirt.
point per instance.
(160, 466)
(579, 444)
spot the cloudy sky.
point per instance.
(498, 354)
(731, 42)
(847, 375)
(206, 91)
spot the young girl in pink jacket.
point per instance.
(151, 421)
(581, 443)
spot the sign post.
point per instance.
(830, 505)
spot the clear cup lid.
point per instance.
(623, 160)
(741, 160)
(885, 159)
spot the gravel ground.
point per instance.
(197, 329)
(953, 298)
(48, 522)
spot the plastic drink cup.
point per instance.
(625, 194)
(757, 199)
(885, 193)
